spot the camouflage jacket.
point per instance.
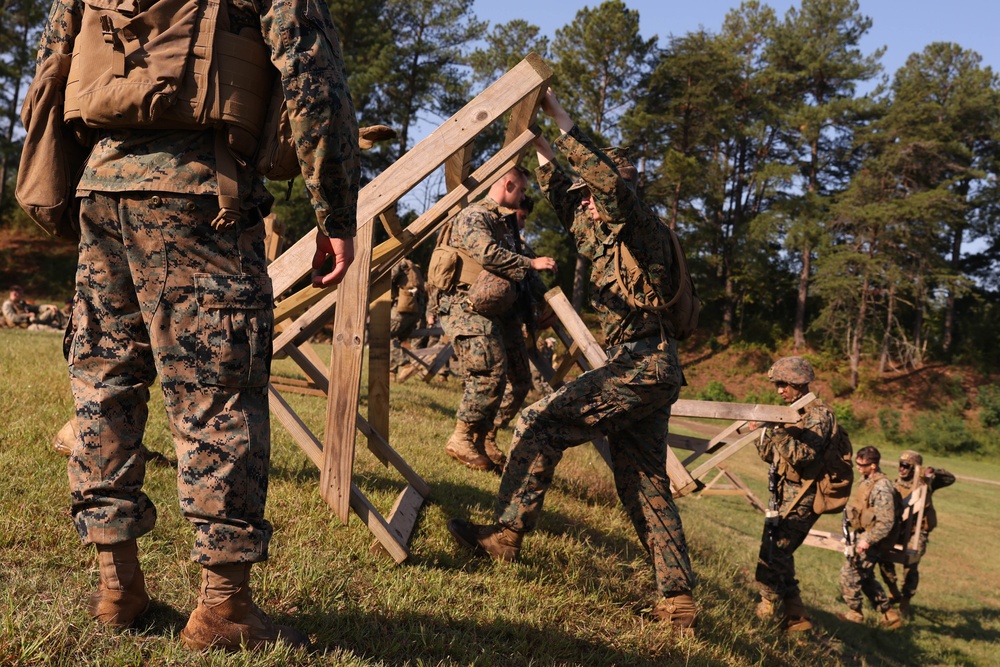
(482, 231)
(628, 219)
(799, 447)
(306, 51)
(18, 313)
(872, 510)
(938, 480)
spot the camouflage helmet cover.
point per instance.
(793, 370)
(619, 156)
(911, 456)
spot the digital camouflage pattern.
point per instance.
(872, 513)
(628, 399)
(793, 370)
(484, 345)
(627, 219)
(306, 50)
(939, 479)
(798, 449)
(159, 290)
(409, 301)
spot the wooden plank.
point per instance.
(382, 449)
(346, 358)
(457, 168)
(678, 441)
(725, 453)
(402, 519)
(390, 222)
(300, 433)
(571, 358)
(400, 177)
(680, 479)
(569, 318)
(779, 414)
(380, 316)
(825, 540)
(319, 311)
(377, 525)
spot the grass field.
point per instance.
(580, 596)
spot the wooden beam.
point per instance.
(346, 358)
(379, 344)
(779, 414)
(581, 335)
(402, 520)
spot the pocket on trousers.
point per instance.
(479, 355)
(235, 316)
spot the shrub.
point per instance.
(989, 403)
(943, 433)
(715, 391)
(890, 422)
(846, 417)
(765, 398)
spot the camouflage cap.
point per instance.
(793, 370)
(578, 184)
(911, 456)
(619, 156)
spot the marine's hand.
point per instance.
(554, 110)
(861, 546)
(543, 264)
(342, 251)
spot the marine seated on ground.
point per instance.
(18, 313)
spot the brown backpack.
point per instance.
(681, 310)
(833, 484)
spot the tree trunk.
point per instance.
(859, 330)
(800, 301)
(949, 312)
(887, 336)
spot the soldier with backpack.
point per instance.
(796, 452)
(873, 519)
(172, 278)
(628, 399)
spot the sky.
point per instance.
(902, 26)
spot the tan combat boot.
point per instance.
(461, 446)
(679, 611)
(121, 594)
(493, 452)
(499, 542)
(852, 615)
(796, 619)
(891, 619)
(226, 616)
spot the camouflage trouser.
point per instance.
(911, 573)
(519, 379)
(776, 560)
(857, 576)
(401, 325)
(487, 361)
(159, 291)
(628, 400)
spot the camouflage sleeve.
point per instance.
(60, 30)
(471, 232)
(801, 445)
(884, 508)
(306, 50)
(609, 190)
(554, 184)
(13, 317)
(941, 479)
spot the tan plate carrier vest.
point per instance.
(173, 64)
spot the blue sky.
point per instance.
(902, 26)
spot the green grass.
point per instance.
(580, 596)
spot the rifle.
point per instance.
(772, 514)
(845, 526)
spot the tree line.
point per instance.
(820, 199)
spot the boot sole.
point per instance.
(471, 546)
(471, 466)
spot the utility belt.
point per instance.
(645, 344)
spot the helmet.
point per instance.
(911, 457)
(793, 370)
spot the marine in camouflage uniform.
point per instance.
(160, 292)
(490, 349)
(873, 517)
(796, 452)
(628, 399)
(409, 301)
(934, 479)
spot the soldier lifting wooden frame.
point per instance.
(363, 297)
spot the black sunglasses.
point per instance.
(905, 466)
(780, 385)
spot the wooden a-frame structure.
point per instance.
(363, 297)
